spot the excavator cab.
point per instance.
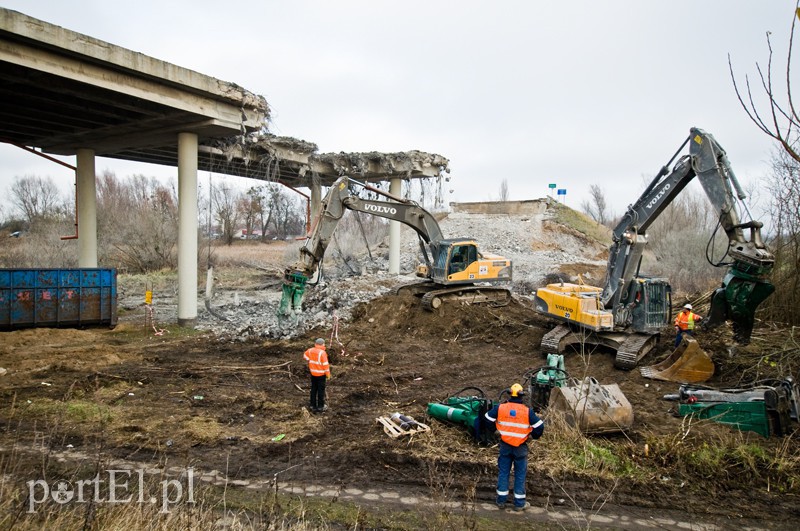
(650, 304)
(459, 262)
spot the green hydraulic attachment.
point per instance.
(766, 409)
(743, 289)
(467, 411)
(744, 416)
(294, 286)
(542, 380)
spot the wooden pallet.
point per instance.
(394, 431)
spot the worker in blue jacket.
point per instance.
(516, 423)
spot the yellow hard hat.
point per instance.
(516, 390)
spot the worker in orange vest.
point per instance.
(516, 423)
(685, 323)
(318, 366)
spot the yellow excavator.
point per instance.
(630, 310)
(454, 269)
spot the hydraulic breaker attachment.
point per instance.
(542, 380)
(742, 290)
(765, 409)
(467, 411)
(687, 364)
(294, 286)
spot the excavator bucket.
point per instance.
(591, 407)
(687, 364)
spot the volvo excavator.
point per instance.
(454, 269)
(629, 311)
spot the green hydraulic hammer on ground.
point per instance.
(467, 411)
(769, 409)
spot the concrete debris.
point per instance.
(403, 163)
(263, 149)
(535, 253)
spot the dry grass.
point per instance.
(253, 253)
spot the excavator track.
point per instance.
(433, 300)
(551, 342)
(631, 348)
(634, 349)
(415, 288)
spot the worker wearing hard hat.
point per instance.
(685, 323)
(320, 370)
(516, 423)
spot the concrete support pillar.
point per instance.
(316, 200)
(187, 229)
(86, 198)
(396, 189)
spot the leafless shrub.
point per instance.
(137, 223)
(41, 245)
(784, 187)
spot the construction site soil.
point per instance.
(218, 405)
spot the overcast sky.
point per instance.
(567, 92)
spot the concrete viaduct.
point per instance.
(65, 93)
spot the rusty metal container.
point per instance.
(57, 298)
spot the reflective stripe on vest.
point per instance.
(684, 321)
(317, 364)
(513, 423)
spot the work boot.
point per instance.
(520, 508)
(501, 506)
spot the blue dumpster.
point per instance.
(57, 298)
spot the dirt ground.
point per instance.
(194, 399)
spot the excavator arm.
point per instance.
(339, 199)
(744, 286)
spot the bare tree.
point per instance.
(36, 198)
(504, 195)
(287, 215)
(247, 209)
(223, 201)
(596, 207)
(256, 208)
(780, 121)
(137, 223)
(265, 195)
(784, 185)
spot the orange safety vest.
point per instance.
(685, 320)
(513, 423)
(317, 360)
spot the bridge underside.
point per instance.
(66, 93)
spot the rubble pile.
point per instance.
(536, 250)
